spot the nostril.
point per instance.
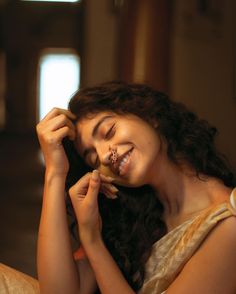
(107, 157)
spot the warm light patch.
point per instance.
(59, 77)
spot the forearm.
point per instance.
(56, 268)
(108, 275)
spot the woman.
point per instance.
(163, 230)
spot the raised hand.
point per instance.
(84, 200)
(55, 126)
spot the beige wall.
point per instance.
(202, 67)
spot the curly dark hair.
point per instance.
(134, 220)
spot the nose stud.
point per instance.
(114, 156)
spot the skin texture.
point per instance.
(146, 163)
(212, 268)
(57, 270)
(119, 132)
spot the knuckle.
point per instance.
(49, 139)
(54, 109)
(93, 185)
(37, 128)
(71, 190)
(63, 117)
(66, 128)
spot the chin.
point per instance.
(127, 184)
(134, 181)
(135, 177)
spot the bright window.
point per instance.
(59, 78)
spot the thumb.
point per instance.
(94, 186)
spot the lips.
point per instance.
(120, 166)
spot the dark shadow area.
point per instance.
(26, 29)
(21, 177)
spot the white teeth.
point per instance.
(123, 161)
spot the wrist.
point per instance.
(54, 179)
(90, 239)
(54, 186)
(51, 174)
(93, 245)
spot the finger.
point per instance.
(94, 187)
(62, 133)
(106, 179)
(110, 187)
(81, 186)
(108, 193)
(56, 111)
(72, 131)
(54, 123)
(58, 122)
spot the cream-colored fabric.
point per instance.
(15, 282)
(171, 252)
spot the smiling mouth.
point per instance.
(122, 164)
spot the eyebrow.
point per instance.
(95, 131)
(96, 127)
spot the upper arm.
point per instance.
(88, 283)
(212, 268)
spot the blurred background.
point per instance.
(186, 48)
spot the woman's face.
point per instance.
(122, 146)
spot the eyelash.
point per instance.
(110, 132)
(108, 135)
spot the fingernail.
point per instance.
(111, 195)
(113, 188)
(114, 196)
(95, 175)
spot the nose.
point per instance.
(104, 154)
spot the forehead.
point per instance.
(90, 121)
(85, 126)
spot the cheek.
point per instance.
(154, 145)
(124, 132)
(149, 139)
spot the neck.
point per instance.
(183, 194)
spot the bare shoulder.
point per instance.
(226, 228)
(212, 268)
(221, 239)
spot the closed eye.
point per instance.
(110, 132)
